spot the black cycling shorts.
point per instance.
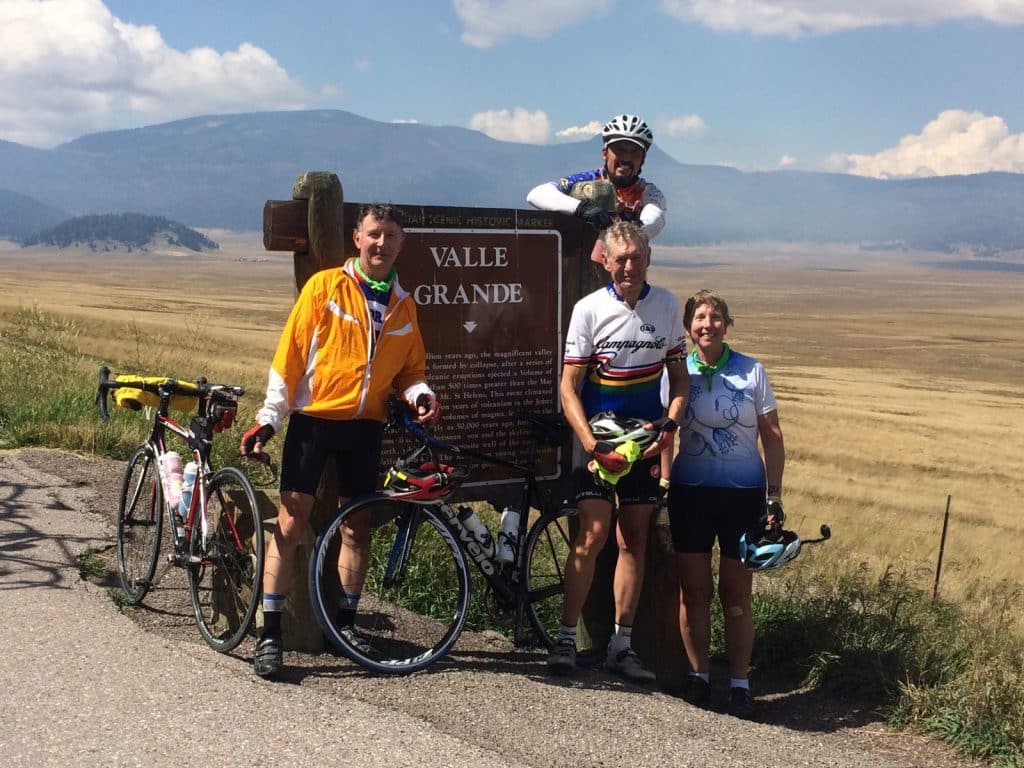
(354, 445)
(699, 514)
(640, 486)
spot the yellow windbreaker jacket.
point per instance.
(327, 362)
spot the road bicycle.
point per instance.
(410, 550)
(217, 536)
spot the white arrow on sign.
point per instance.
(469, 325)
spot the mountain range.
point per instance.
(217, 171)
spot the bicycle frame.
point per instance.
(504, 579)
(199, 439)
(197, 506)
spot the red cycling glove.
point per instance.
(261, 434)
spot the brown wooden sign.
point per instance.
(494, 289)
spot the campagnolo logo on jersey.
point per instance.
(647, 328)
(633, 344)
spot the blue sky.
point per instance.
(885, 88)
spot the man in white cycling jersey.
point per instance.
(626, 140)
(620, 339)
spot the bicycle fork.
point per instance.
(408, 524)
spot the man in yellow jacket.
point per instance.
(352, 339)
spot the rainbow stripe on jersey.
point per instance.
(624, 349)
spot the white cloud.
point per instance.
(684, 127)
(71, 67)
(819, 17)
(488, 22)
(580, 132)
(956, 142)
(518, 125)
(787, 161)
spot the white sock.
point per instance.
(705, 676)
(739, 682)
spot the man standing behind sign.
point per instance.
(351, 340)
(614, 192)
(620, 338)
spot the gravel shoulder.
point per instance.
(87, 681)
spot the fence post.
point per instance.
(942, 546)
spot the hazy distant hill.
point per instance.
(133, 230)
(22, 216)
(218, 171)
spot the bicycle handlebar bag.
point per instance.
(135, 399)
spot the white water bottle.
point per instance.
(171, 476)
(188, 484)
(508, 537)
(475, 526)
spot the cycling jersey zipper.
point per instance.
(372, 345)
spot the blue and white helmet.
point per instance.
(769, 553)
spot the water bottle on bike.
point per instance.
(171, 475)
(472, 523)
(508, 537)
(188, 482)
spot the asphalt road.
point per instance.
(84, 684)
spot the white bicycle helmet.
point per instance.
(609, 428)
(767, 554)
(628, 128)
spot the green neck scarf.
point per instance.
(380, 286)
(710, 370)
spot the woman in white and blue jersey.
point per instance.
(719, 490)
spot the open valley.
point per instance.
(900, 382)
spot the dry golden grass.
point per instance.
(223, 309)
(899, 383)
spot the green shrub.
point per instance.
(883, 640)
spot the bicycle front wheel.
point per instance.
(548, 544)
(226, 562)
(139, 524)
(410, 576)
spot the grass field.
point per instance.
(900, 382)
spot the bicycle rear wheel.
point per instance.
(415, 584)
(548, 543)
(139, 524)
(226, 548)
